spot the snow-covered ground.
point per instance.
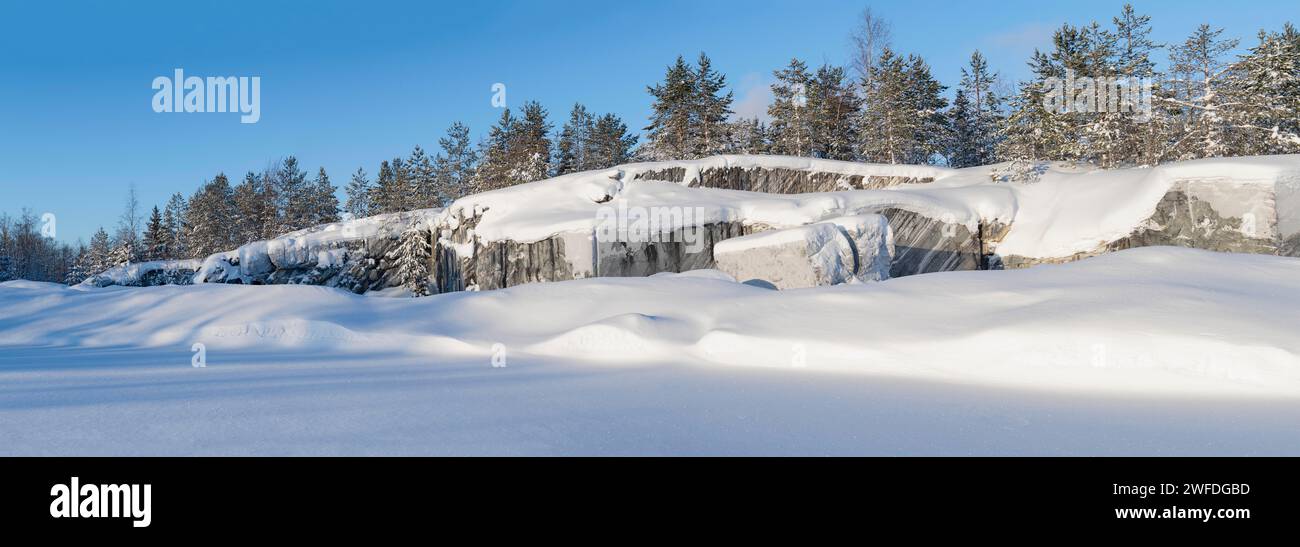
(1148, 351)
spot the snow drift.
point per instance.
(1150, 320)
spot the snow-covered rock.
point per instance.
(813, 255)
(873, 244)
(1244, 205)
(146, 274)
(641, 219)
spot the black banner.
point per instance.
(1170, 497)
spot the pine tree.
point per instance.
(1263, 109)
(1109, 136)
(611, 144)
(530, 152)
(748, 136)
(399, 191)
(412, 256)
(711, 109)
(669, 135)
(1200, 80)
(295, 196)
(833, 107)
(454, 167)
(208, 217)
(1031, 132)
(247, 223)
(791, 129)
(271, 209)
(903, 119)
(359, 189)
(494, 171)
(976, 116)
(572, 148)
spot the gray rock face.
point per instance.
(502, 264)
(674, 254)
(1187, 221)
(777, 180)
(924, 245)
(1290, 247)
(921, 245)
(1211, 215)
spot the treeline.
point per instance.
(887, 108)
(282, 198)
(28, 253)
(895, 111)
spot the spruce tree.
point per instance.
(423, 192)
(325, 204)
(99, 254)
(976, 116)
(385, 193)
(295, 195)
(412, 256)
(78, 271)
(494, 171)
(358, 190)
(964, 148)
(791, 128)
(711, 109)
(173, 221)
(1263, 106)
(155, 237)
(454, 167)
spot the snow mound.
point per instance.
(1149, 320)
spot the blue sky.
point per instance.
(347, 84)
